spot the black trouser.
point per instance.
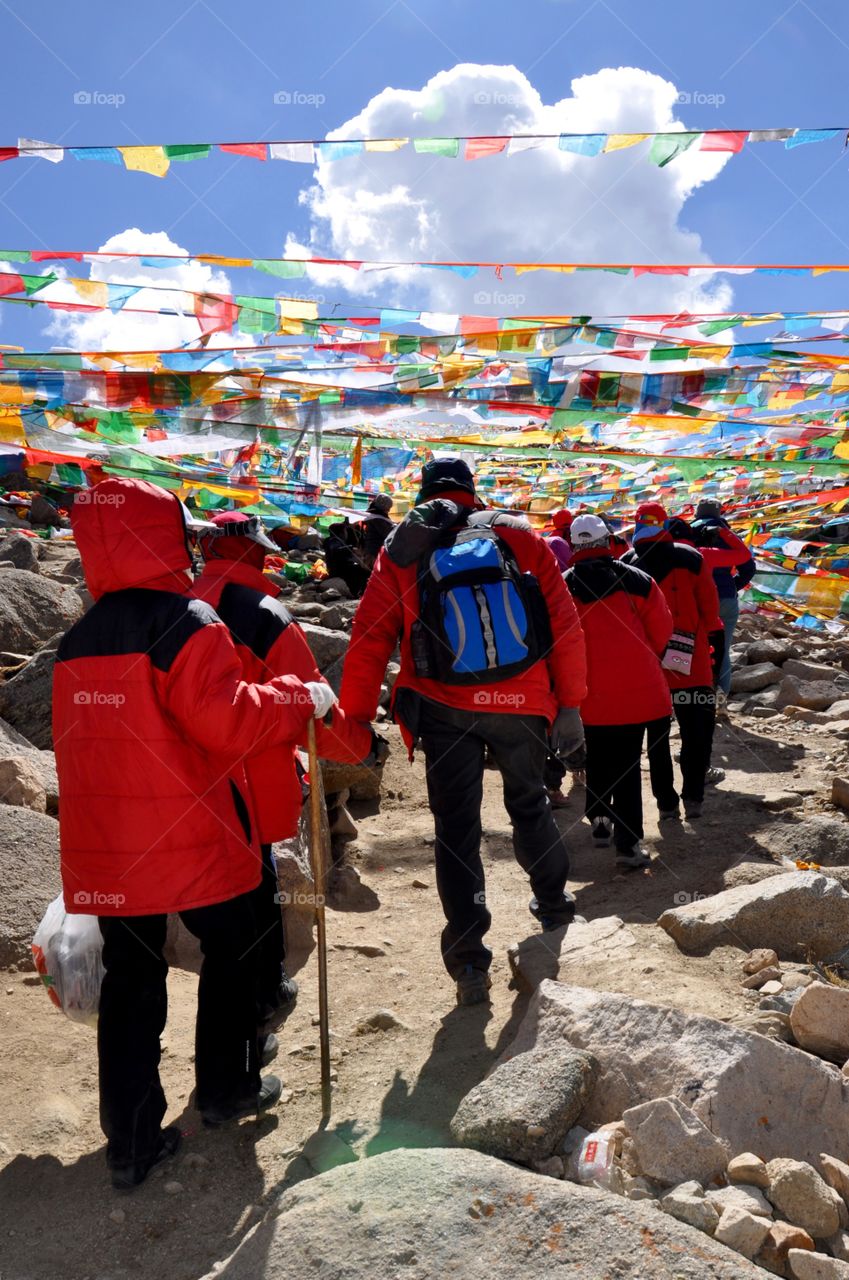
(133, 1008)
(614, 786)
(553, 772)
(269, 922)
(454, 743)
(695, 711)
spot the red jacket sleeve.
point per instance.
(378, 624)
(208, 699)
(567, 659)
(343, 739)
(733, 553)
(656, 618)
(707, 599)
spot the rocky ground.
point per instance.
(700, 1016)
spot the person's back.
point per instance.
(151, 723)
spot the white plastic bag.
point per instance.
(68, 954)
(595, 1162)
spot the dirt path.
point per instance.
(58, 1215)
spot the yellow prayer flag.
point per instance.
(146, 160)
(386, 144)
(11, 429)
(618, 141)
(298, 309)
(94, 292)
(522, 268)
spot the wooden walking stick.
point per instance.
(318, 864)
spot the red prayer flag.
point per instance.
(719, 141)
(476, 148)
(8, 153)
(257, 150)
(10, 283)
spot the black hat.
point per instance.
(443, 475)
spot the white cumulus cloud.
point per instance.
(538, 205)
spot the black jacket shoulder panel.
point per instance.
(602, 576)
(253, 619)
(155, 623)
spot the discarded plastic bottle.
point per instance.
(595, 1163)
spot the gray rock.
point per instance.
(26, 699)
(799, 668)
(815, 1266)
(820, 1021)
(20, 784)
(380, 1020)
(802, 1197)
(748, 1169)
(429, 1213)
(328, 648)
(816, 695)
(32, 609)
(542, 956)
(759, 676)
(742, 1231)
(362, 782)
(687, 1203)
(13, 743)
(525, 1107)
(20, 550)
(765, 699)
(797, 913)
(672, 1144)
(818, 839)
(337, 585)
(29, 874)
(775, 800)
(771, 650)
(737, 1083)
(297, 897)
(749, 1198)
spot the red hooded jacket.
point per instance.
(152, 721)
(627, 625)
(270, 643)
(390, 606)
(687, 583)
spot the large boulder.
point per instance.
(362, 782)
(672, 1144)
(329, 649)
(26, 700)
(817, 839)
(20, 551)
(458, 1213)
(29, 874)
(816, 695)
(758, 676)
(771, 650)
(20, 784)
(525, 1107)
(32, 609)
(544, 955)
(14, 744)
(798, 913)
(819, 1021)
(795, 667)
(737, 1082)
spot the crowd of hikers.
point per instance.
(181, 699)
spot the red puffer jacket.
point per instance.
(152, 722)
(627, 625)
(390, 606)
(690, 591)
(270, 643)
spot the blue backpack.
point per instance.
(481, 620)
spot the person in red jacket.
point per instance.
(627, 625)
(459, 586)
(152, 722)
(269, 643)
(692, 659)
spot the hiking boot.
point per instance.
(127, 1177)
(269, 1094)
(602, 835)
(634, 858)
(558, 799)
(473, 986)
(692, 809)
(268, 1047)
(669, 815)
(552, 918)
(714, 775)
(276, 1011)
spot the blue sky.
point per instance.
(209, 70)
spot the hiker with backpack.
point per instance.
(627, 626)
(691, 661)
(492, 655)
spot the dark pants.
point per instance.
(553, 772)
(454, 743)
(133, 1008)
(271, 945)
(695, 711)
(614, 786)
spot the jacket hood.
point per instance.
(246, 575)
(130, 534)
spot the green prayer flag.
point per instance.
(437, 146)
(191, 151)
(278, 267)
(666, 146)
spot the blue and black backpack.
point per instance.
(481, 620)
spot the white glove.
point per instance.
(323, 697)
